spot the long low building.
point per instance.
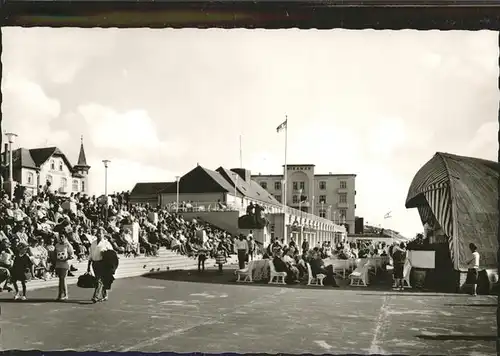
(222, 196)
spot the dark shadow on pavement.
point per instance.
(45, 300)
(212, 276)
(472, 305)
(458, 337)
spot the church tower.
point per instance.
(81, 171)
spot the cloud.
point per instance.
(123, 174)
(484, 144)
(133, 132)
(64, 51)
(29, 112)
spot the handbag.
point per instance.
(86, 280)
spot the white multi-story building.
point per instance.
(33, 168)
(332, 196)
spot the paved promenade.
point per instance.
(157, 314)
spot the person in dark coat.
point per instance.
(22, 269)
(110, 264)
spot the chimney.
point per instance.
(245, 174)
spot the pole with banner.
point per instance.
(281, 127)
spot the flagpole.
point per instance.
(285, 182)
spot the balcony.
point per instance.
(342, 205)
(342, 190)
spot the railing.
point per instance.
(216, 206)
(200, 207)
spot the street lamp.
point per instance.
(10, 137)
(106, 163)
(330, 212)
(177, 179)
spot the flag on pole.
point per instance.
(282, 126)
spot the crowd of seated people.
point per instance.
(35, 222)
(289, 259)
(349, 250)
(293, 260)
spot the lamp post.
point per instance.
(330, 212)
(106, 163)
(10, 137)
(312, 208)
(323, 207)
(177, 180)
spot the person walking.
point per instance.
(63, 252)
(241, 248)
(98, 246)
(21, 270)
(473, 271)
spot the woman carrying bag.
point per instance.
(63, 253)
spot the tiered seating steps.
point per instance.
(136, 266)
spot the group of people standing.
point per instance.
(19, 268)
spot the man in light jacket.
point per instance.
(96, 250)
(241, 248)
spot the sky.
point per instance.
(378, 104)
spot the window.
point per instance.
(263, 185)
(60, 166)
(278, 197)
(322, 213)
(343, 184)
(322, 199)
(277, 185)
(30, 178)
(64, 182)
(52, 165)
(302, 185)
(49, 178)
(75, 185)
(343, 198)
(83, 186)
(295, 199)
(295, 185)
(322, 185)
(343, 213)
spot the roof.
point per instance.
(21, 158)
(249, 189)
(200, 180)
(461, 195)
(296, 165)
(149, 188)
(41, 155)
(82, 159)
(222, 180)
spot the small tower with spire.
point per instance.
(81, 169)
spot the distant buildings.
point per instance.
(222, 196)
(33, 168)
(331, 196)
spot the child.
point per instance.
(220, 256)
(21, 268)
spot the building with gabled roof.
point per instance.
(147, 192)
(222, 196)
(33, 168)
